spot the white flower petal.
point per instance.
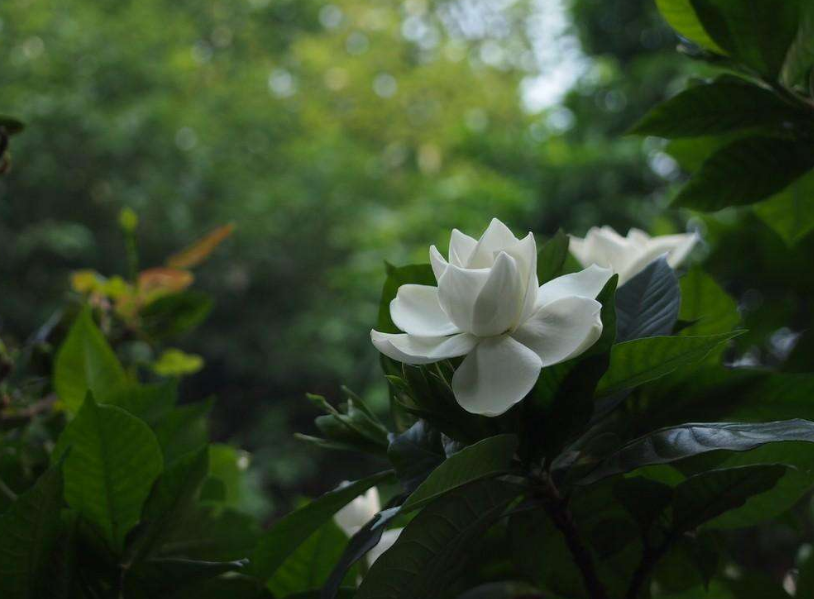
(461, 247)
(562, 329)
(358, 512)
(678, 246)
(422, 350)
(416, 310)
(458, 289)
(389, 538)
(500, 302)
(525, 254)
(495, 376)
(586, 283)
(497, 237)
(438, 263)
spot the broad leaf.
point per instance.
(636, 362)
(161, 577)
(706, 305)
(419, 274)
(171, 498)
(289, 533)
(551, 257)
(724, 105)
(490, 457)
(643, 498)
(800, 58)
(681, 16)
(149, 402)
(360, 544)
(704, 496)
(183, 429)
(113, 461)
(501, 590)
(796, 481)
(415, 453)
(756, 32)
(310, 566)
(678, 442)
(791, 212)
(434, 545)
(647, 305)
(85, 363)
(29, 532)
(744, 172)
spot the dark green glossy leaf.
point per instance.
(800, 58)
(708, 307)
(643, 498)
(113, 461)
(85, 362)
(309, 567)
(681, 16)
(360, 544)
(551, 257)
(756, 32)
(641, 360)
(687, 440)
(724, 105)
(29, 534)
(501, 590)
(160, 577)
(487, 458)
(415, 453)
(434, 545)
(172, 496)
(744, 172)
(294, 529)
(647, 305)
(790, 213)
(704, 496)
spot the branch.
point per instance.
(557, 509)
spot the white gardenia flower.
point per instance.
(358, 512)
(488, 307)
(628, 256)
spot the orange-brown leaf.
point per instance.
(199, 251)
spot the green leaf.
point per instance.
(794, 484)
(434, 545)
(419, 274)
(295, 528)
(174, 362)
(756, 32)
(415, 453)
(776, 397)
(85, 362)
(172, 315)
(241, 490)
(744, 172)
(551, 257)
(704, 496)
(636, 362)
(724, 105)
(710, 309)
(160, 577)
(149, 402)
(113, 461)
(29, 533)
(171, 497)
(681, 16)
(791, 212)
(643, 498)
(501, 590)
(678, 442)
(183, 429)
(487, 458)
(647, 305)
(309, 567)
(800, 58)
